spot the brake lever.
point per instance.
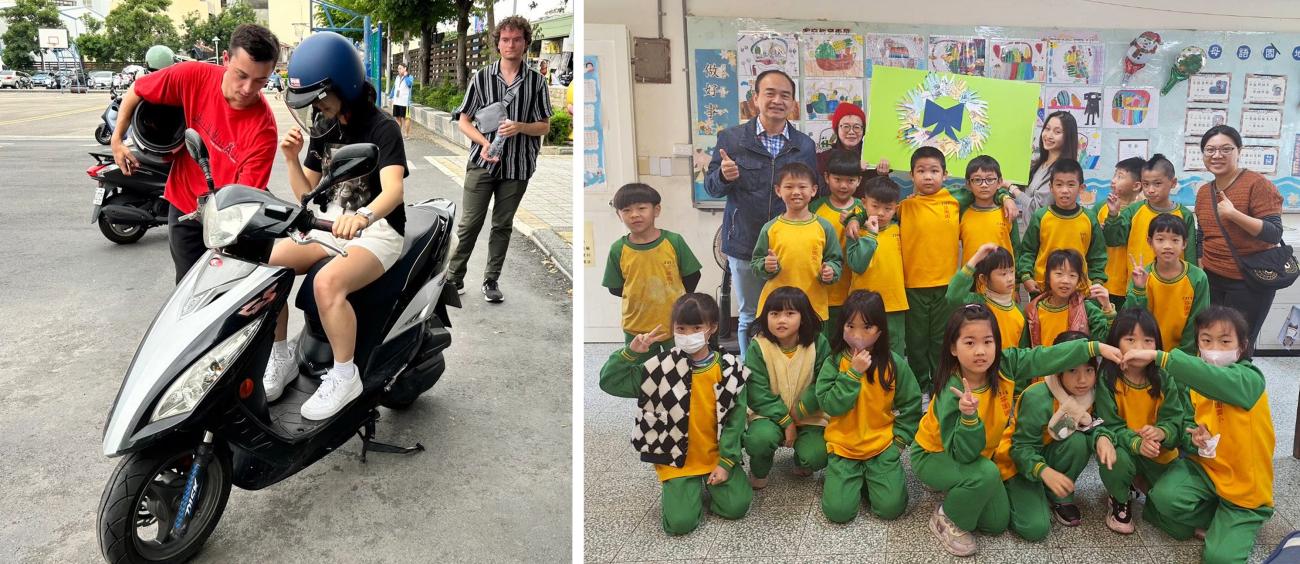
(302, 239)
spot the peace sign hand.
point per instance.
(641, 343)
(1139, 272)
(966, 401)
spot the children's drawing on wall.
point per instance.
(1139, 53)
(1074, 62)
(745, 85)
(902, 51)
(822, 95)
(593, 134)
(717, 105)
(832, 54)
(758, 51)
(1089, 148)
(821, 132)
(1081, 102)
(1130, 108)
(1018, 59)
(958, 55)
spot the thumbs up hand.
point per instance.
(730, 172)
(770, 263)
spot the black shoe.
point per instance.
(492, 293)
(1067, 514)
(460, 287)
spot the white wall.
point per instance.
(662, 118)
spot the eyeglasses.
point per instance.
(983, 181)
(851, 127)
(1224, 150)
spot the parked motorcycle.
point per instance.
(191, 418)
(127, 206)
(104, 131)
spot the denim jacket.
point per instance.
(751, 198)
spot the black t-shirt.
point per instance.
(366, 126)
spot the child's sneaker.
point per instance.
(335, 392)
(953, 539)
(1067, 514)
(280, 371)
(1120, 519)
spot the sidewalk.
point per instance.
(546, 214)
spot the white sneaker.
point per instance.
(954, 540)
(279, 373)
(334, 393)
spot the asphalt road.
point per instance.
(494, 484)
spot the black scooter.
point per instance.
(127, 206)
(104, 131)
(191, 418)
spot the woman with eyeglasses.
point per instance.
(848, 124)
(1249, 215)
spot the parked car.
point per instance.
(40, 79)
(15, 79)
(101, 79)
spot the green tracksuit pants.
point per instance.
(1186, 500)
(880, 480)
(764, 436)
(1031, 515)
(683, 500)
(926, 320)
(976, 498)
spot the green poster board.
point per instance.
(963, 116)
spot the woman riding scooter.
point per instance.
(329, 98)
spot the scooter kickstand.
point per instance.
(368, 442)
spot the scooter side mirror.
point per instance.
(352, 161)
(194, 145)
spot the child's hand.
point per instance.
(1139, 272)
(1149, 449)
(1200, 435)
(1099, 293)
(1112, 203)
(718, 476)
(873, 224)
(1032, 287)
(882, 167)
(1138, 358)
(1105, 453)
(1009, 209)
(1060, 484)
(641, 343)
(790, 435)
(730, 172)
(966, 401)
(1151, 433)
(852, 226)
(862, 361)
(1110, 353)
(828, 273)
(981, 253)
(769, 263)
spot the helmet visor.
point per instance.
(313, 121)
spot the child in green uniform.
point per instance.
(984, 221)
(1125, 187)
(989, 277)
(1129, 228)
(842, 176)
(1223, 489)
(1051, 438)
(1174, 290)
(783, 359)
(798, 248)
(874, 254)
(964, 426)
(1062, 225)
(1062, 308)
(649, 267)
(691, 414)
(1142, 411)
(874, 408)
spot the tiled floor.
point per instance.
(785, 523)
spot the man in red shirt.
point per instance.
(225, 105)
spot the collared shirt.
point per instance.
(532, 103)
(774, 143)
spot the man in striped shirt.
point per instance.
(503, 176)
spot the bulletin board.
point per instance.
(1248, 80)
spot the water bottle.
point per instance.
(494, 150)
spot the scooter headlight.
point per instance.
(221, 227)
(199, 377)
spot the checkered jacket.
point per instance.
(665, 399)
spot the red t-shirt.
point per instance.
(241, 143)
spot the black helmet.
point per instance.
(324, 62)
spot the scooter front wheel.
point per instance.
(102, 135)
(143, 497)
(118, 233)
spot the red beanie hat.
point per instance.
(847, 109)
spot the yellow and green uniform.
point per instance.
(1053, 228)
(1174, 303)
(710, 443)
(1117, 261)
(868, 429)
(987, 225)
(954, 452)
(1031, 448)
(1054, 320)
(650, 275)
(1124, 410)
(1012, 327)
(1130, 231)
(801, 248)
(1231, 494)
(876, 261)
(771, 416)
(837, 292)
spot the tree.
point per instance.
(404, 17)
(198, 29)
(26, 18)
(129, 30)
(462, 26)
(92, 44)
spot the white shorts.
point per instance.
(380, 239)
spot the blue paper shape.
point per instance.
(946, 121)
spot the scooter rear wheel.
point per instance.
(118, 233)
(142, 497)
(102, 135)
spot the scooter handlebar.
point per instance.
(322, 225)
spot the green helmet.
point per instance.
(159, 57)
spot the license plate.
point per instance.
(99, 196)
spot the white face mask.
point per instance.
(691, 343)
(1219, 358)
(860, 343)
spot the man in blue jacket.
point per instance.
(743, 171)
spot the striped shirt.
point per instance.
(773, 143)
(532, 103)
